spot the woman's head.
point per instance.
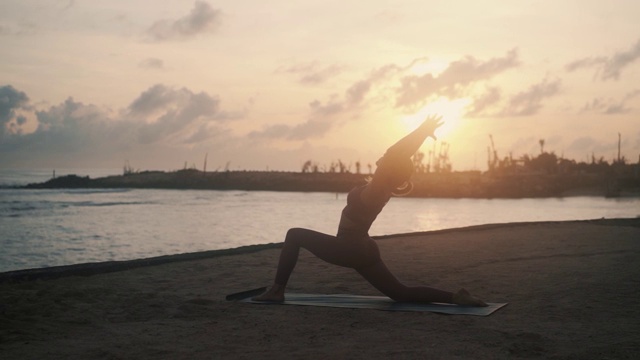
(395, 171)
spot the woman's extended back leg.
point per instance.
(382, 279)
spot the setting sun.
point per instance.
(450, 110)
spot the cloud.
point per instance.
(310, 129)
(69, 5)
(21, 29)
(324, 115)
(480, 104)
(205, 132)
(271, 132)
(610, 106)
(324, 110)
(608, 67)
(320, 121)
(585, 63)
(605, 106)
(311, 73)
(152, 63)
(614, 65)
(156, 97)
(12, 100)
(524, 103)
(454, 80)
(202, 18)
(159, 117)
(529, 102)
(71, 126)
(357, 92)
(177, 109)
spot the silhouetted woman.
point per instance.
(352, 247)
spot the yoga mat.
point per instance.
(367, 302)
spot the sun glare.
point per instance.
(451, 111)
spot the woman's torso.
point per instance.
(357, 217)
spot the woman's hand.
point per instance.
(408, 145)
(430, 124)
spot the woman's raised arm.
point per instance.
(396, 166)
(408, 145)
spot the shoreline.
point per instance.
(467, 184)
(103, 267)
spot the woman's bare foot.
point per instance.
(275, 293)
(463, 297)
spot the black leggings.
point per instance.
(359, 253)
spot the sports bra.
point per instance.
(359, 215)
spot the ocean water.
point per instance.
(50, 227)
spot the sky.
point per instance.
(269, 85)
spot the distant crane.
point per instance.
(443, 157)
(204, 168)
(619, 139)
(493, 161)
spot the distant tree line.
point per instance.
(436, 160)
(550, 163)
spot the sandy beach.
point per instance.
(572, 288)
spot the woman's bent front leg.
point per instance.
(342, 252)
(295, 239)
(326, 247)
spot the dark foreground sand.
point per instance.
(573, 290)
